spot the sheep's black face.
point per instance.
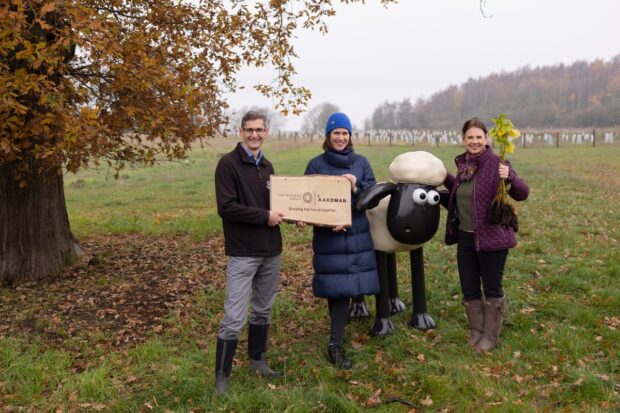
(413, 213)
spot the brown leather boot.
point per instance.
(493, 318)
(475, 320)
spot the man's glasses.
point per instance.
(249, 131)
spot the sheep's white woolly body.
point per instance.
(410, 167)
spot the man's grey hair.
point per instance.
(253, 115)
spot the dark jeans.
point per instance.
(474, 266)
(339, 313)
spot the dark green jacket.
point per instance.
(242, 194)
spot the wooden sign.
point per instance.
(314, 199)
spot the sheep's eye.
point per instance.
(433, 197)
(419, 196)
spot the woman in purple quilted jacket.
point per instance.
(482, 247)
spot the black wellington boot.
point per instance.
(257, 346)
(337, 356)
(224, 353)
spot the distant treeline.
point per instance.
(580, 95)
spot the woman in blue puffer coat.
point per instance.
(344, 258)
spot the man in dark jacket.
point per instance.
(253, 245)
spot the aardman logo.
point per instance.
(307, 197)
(319, 198)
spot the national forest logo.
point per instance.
(311, 198)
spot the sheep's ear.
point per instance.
(371, 197)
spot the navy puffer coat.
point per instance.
(344, 262)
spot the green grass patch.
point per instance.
(559, 349)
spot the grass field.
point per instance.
(560, 343)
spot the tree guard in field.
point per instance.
(86, 82)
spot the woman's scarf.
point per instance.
(467, 170)
(340, 159)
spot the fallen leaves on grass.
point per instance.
(98, 407)
(427, 401)
(374, 400)
(118, 294)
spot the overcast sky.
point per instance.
(417, 47)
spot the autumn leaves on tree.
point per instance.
(117, 82)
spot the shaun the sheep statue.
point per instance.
(403, 215)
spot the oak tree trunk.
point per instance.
(35, 238)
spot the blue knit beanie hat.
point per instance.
(338, 120)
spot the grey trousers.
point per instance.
(248, 279)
